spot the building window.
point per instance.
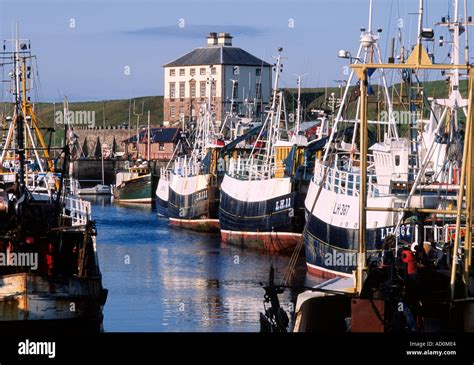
(172, 112)
(213, 89)
(258, 72)
(258, 90)
(235, 91)
(192, 88)
(203, 89)
(172, 90)
(213, 71)
(161, 146)
(181, 111)
(182, 72)
(202, 71)
(192, 72)
(172, 72)
(181, 90)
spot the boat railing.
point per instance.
(251, 169)
(165, 173)
(439, 233)
(344, 182)
(43, 182)
(78, 210)
(186, 167)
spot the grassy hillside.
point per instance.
(116, 111)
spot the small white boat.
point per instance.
(99, 189)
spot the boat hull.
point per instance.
(193, 203)
(30, 301)
(266, 224)
(272, 242)
(199, 225)
(137, 190)
(161, 207)
(162, 197)
(331, 238)
(96, 190)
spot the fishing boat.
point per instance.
(188, 192)
(182, 148)
(49, 270)
(418, 172)
(410, 288)
(137, 184)
(134, 185)
(162, 192)
(194, 182)
(261, 198)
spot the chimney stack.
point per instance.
(212, 39)
(225, 39)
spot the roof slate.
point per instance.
(218, 55)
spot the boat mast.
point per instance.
(19, 114)
(466, 29)
(232, 99)
(298, 109)
(207, 116)
(455, 57)
(369, 47)
(370, 16)
(102, 145)
(148, 139)
(232, 127)
(420, 23)
(138, 115)
(271, 125)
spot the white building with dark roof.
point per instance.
(231, 69)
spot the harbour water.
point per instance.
(162, 279)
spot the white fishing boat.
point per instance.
(262, 194)
(418, 171)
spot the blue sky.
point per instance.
(87, 62)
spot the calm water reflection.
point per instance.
(165, 279)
